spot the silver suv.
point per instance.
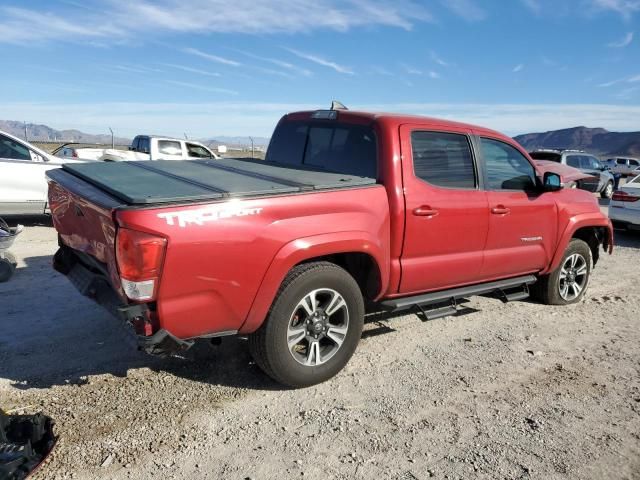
(601, 181)
(623, 165)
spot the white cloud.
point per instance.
(204, 88)
(210, 57)
(434, 75)
(321, 61)
(518, 68)
(438, 60)
(533, 5)
(185, 68)
(112, 20)
(280, 63)
(466, 9)
(411, 70)
(630, 79)
(626, 8)
(625, 42)
(207, 119)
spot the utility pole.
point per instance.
(185, 136)
(251, 138)
(26, 139)
(112, 139)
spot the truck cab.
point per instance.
(165, 148)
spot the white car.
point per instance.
(23, 187)
(624, 209)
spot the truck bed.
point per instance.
(168, 181)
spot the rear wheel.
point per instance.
(608, 191)
(568, 283)
(313, 327)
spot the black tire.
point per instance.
(269, 344)
(607, 191)
(7, 266)
(548, 288)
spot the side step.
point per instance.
(444, 303)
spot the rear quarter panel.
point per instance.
(221, 256)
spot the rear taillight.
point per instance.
(74, 154)
(139, 256)
(620, 196)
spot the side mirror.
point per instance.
(551, 182)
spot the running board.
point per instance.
(451, 296)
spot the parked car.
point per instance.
(349, 212)
(624, 209)
(149, 147)
(23, 187)
(600, 179)
(622, 165)
(79, 152)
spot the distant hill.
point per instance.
(43, 133)
(594, 140)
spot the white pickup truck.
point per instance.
(149, 147)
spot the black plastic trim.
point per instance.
(456, 293)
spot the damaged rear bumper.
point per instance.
(91, 279)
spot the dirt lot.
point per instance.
(508, 391)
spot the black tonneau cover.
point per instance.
(167, 181)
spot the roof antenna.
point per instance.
(336, 105)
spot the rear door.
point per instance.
(522, 220)
(447, 213)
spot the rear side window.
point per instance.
(633, 163)
(506, 167)
(169, 147)
(621, 161)
(443, 159)
(574, 161)
(334, 147)
(197, 151)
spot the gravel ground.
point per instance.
(507, 391)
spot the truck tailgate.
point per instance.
(83, 215)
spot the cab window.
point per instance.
(443, 159)
(506, 168)
(197, 151)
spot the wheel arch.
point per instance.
(359, 253)
(594, 229)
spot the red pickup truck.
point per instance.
(351, 212)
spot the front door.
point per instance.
(447, 213)
(522, 220)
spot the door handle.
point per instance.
(425, 211)
(500, 210)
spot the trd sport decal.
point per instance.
(183, 218)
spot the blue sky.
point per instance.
(222, 67)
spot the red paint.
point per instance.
(223, 275)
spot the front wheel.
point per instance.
(568, 283)
(313, 327)
(608, 191)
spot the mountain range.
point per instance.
(593, 140)
(44, 133)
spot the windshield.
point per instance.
(328, 146)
